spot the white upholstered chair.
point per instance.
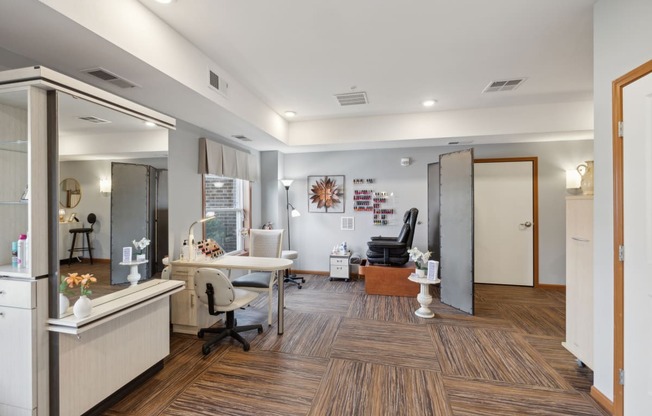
(262, 243)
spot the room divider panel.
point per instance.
(456, 227)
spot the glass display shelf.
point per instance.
(19, 146)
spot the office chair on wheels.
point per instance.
(215, 291)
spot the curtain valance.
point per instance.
(218, 159)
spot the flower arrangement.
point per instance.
(421, 259)
(73, 279)
(141, 245)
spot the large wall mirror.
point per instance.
(91, 139)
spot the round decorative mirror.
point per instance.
(69, 193)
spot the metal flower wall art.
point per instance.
(326, 193)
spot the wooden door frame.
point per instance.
(535, 206)
(619, 232)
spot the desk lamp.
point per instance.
(191, 237)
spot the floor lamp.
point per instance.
(294, 213)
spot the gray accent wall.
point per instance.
(315, 234)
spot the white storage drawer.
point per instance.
(340, 261)
(340, 266)
(340, 271)
(17, 294)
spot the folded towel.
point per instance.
(356, 258)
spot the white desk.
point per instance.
(266, 264)
(424, 297)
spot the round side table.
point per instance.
(133, 276)
(424, 297)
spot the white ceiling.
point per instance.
(295, 55)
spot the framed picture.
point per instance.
(326, 193)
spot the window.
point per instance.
(228, 198)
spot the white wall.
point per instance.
(314, 234)
(622, 32)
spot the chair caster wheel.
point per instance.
(200, 334)
(303, 280)
(205, 350)
(246, 347)
(299, 286)
(260, 330)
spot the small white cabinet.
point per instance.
(340, 266)
(23, 348)
(188, 315)
(579, 278)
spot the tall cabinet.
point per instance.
(579, 278)
(23, 290)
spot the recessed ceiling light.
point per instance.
(290, 113)
(429, 103)
(150, 124)
(165, 1)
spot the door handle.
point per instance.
(526, 224)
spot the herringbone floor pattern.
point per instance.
(347, 353)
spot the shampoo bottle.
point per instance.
(22, 251)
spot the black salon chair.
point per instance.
(393, 251)
(84, 230)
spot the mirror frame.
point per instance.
(76, 191)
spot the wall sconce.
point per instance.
(62, 214)
(405, 161)
(105, 186)
(573, 181)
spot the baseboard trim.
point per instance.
(602, 400)
(561, 288)
(86, 260)
(317, 272)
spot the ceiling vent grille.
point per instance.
(352, 98)
(217, 83)
(506, 85)
(110, 77)
(93, 119)
(241, 137)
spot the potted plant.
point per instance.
(420, 259)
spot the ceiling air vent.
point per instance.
(217, 83)
(93, 119)
(110, 77)
(352, 98)
(506, 85)
(241, 137)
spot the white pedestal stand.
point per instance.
(133, 276)
(424, 297)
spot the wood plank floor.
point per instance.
(348, 353)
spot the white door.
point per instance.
(504, 223)
(637, 216)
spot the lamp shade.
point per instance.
(573, 179)
(105, 185)
(295, 213)
(287, 182)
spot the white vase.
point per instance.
(82, 307)
(64, 303)
(421, 273)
